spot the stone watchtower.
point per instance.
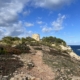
(36, 37)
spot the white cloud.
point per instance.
(17, 30)
(39, 22)
(9, 11)
(46, 29)
(55, 25)
(26, 34)
(51, 4)
(58, 24)
(25, 13)
(10, 25)
(27, 24)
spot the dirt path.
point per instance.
(41, 70)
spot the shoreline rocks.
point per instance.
(70, 52)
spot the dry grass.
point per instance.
(59, 61)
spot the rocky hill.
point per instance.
(28, 59)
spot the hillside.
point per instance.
(47, 59)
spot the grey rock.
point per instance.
(5, 78)
(0, 77)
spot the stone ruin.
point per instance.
(36, 37)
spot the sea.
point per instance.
(76, 49)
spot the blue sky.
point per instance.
(59, 18)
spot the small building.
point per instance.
(36, 37)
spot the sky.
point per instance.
(57, 18)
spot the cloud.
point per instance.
(39, 22)
(15, 30)
(51, 4)
(58, 24)
(27, 24)
(26, 34)
(25, 13)
(9, 11)
(10, 25)
(46, 29)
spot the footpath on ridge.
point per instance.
(40, 71)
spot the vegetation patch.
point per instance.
(9, 64)
(64, 66)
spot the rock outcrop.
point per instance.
(70, 52)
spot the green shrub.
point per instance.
(53, 40)
(2, 52)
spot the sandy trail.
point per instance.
(41, 70)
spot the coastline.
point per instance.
(70, 52)
(76, 49)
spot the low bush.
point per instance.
(23, 48)
(9, 50)
(12, 51)
(2, 52)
